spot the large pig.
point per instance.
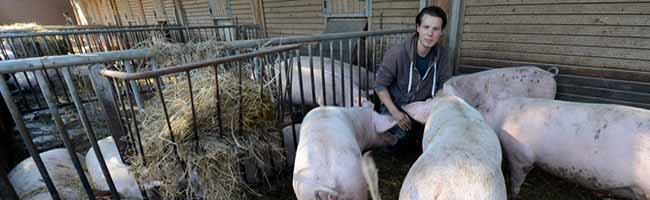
(28, 183)
(124, 181)
(361, 77)
(328, 158)
(601, 146)
(461, 156)
(484, 89)
(342, 87)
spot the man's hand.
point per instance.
(403, 120)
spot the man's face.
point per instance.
(430, 30)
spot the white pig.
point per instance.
(360, 76)
(124, 181)
(484, 89)
(28, 183)
(461, 156)
(328, 158)
(601, 146)
(345, 92)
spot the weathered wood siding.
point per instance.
(293, 17)
(197, 12)
(242, 11)
(389, 14)
(602, 48)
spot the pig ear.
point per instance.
(382, 122)
(419, 110)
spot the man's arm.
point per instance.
(404, 122)
(386, 76)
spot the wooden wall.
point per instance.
(293, 17)
(197, 12)
(242, 11)
(389, 14)
(602, 48)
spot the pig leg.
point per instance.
(521, 159)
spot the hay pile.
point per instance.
(215, 169)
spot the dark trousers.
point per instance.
(407, 140)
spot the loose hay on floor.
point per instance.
(215, 168)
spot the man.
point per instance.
(413, 71)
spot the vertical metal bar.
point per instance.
(217, 98)
(105, 97)
(126, 126)
(195, 125)
(39, 52)
(53, 52)
(68, 44)
(134, 86)
(135, 123)
(241, 99)
(79, 44)
(280, 87)
(31, 88)
(358, 67)
(302, 94)
(81, 111)
(260, 65)
(322, 73)
(169, 126)
(27, 138)
(4, 50)
(374, 57)
(311, 74)
(342, 73)
(63, 133)
(333, 72)
(89, 42)
(351, 73)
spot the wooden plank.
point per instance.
(607, 63)
(604, 93)
(293, 20)
(396, 4)
(519, 2)
(293, 32)
(637, 54)
(588, 99)
(614, 31)
(268, 4)
(296, 26)
(560, 19)
(601, 8)
(294, 15)
(621, 42)
(294, 9)
(641, 87)
(564, 69)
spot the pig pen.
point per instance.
(393, 166)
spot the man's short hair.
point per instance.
(433, 11)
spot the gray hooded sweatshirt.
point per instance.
(398, 73)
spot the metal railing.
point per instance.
(117, 91)
(63, 42)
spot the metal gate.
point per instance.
(347, 8)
